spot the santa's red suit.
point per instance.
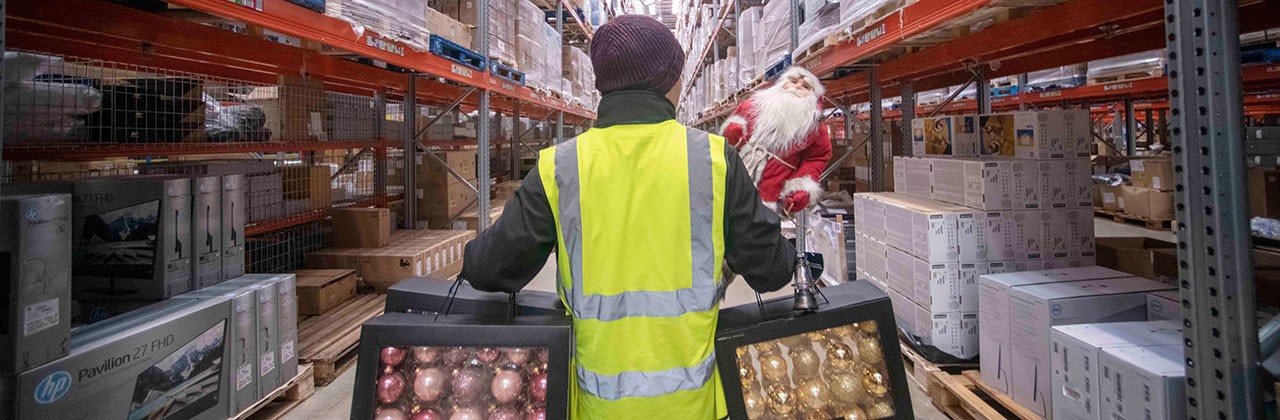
(783, 146)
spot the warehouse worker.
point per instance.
(641, 212)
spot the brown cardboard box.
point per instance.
(361, 228)
(430, 173)
(1133, 255)
(1166, 262)
(322, 290)
(437, 204)
(470, 219)
(1096, 194)
(1264, 192)
(309, 183)
(1112, 197)
(449, 28)
(1156, 174)
(1148, 203)
(295, 108)
(411, 253)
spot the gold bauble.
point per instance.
(814, 394)
(839, 356)
(746, 372)
(880, 410)
(805, 362)
(868, 327)
(815, 336)
(782, 400)
(869, 350)
(773, 366)
(876, 383)
(793, 341)
(755, 404)
(766, 346)
(855, 413)
(742, 353)
(846, 388)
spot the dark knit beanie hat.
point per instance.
(635, 52)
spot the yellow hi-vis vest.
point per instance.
(639, 213)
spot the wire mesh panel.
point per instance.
(286, 250)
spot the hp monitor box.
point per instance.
(994, 294)
(1036, 309)
(268, 337)
(206, 230)
(1076, 350)
(463, 366)
(242, 343)
(277, 312)
(164, 361)
(132, 237)
(234, 201)
(35, 275)
(838, 362)
(428, 295)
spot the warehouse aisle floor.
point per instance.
(333, 402)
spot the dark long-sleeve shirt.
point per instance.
(508, 255)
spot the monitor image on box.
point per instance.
(184, 383)
(121, 242)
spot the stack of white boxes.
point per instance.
(1078, 352)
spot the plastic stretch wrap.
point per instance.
(748, 24)
(821, 18)
(400, 20)
(233, 121)
(1151, 62)
(1057, 78)
(732, 83)
(773, 40)
(502, 23)
(43, 111)
(860, 13)
(553, 73)
(932, 97)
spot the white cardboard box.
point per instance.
(934, 225)
(1001, 267)
(904, 311)
(1164, 305)
(1056, 189)
(1051, 134)
(1001, 184)
(1004, 240)
(1028, 227)
(900, 174)
(1143, 382)
(1081, 238)
(1035, 309)
(1056, 232)
(994, 292)
(919, 176)
(1076, 350)
(973, 236)
(901, 217)
(947, 179)
(1060, 263)
(938, 286)
(950, 136)
(1080, 175)
(953, 333)
(900, 267)
(870, 220)
(873, 260)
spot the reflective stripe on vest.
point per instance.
(699, 297)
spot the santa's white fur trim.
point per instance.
(805, 184)
(808, 76)
(733, 119)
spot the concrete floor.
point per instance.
(333, 402)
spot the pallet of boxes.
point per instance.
(366, 255)
(1147, 200)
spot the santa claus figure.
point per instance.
(782, 142)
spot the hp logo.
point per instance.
(33, 214)
(53, 387)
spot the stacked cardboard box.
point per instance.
(1077, 352)
(1151, 195)
(441, 195)
(502, 23)
(449, 28)
(1264, 192)
(580, 74)
(772, 40)
(411, 253)
(28, 171)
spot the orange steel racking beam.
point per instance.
(314, 215)
(911, 20)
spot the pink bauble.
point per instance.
(457, 355)
(469, 383)
(538, 387)
(426, 354)
(391, 356)
(468, 413)
(517, 356)
(506, 413)
(390, 386)
(542, 355)
(536, 414)
(488, 355)
(507, 385)
(388, 414)
(428, 414)
(430, 384)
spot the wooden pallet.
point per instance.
(329, 341)
(279, 402)
(1121, 217)
(922, 369)
(818, 47)
(964, 397)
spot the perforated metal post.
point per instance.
(1130, 129)
(560, 29)
(908, 114)
(877, 122)
(984, 90)
(410, 108)
(482, 120)
(4, 26)
(515, 142)
(1215, 263)
(795, 24)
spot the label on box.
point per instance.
(1108, 197)
(244, 376)
(1137, 166)
(418, 268)
(286, 351)
(267, 364)
(39, 317)
(1121, 201)
(1155, 183)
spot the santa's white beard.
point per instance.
(783, 119)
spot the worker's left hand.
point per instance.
(796, 201)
